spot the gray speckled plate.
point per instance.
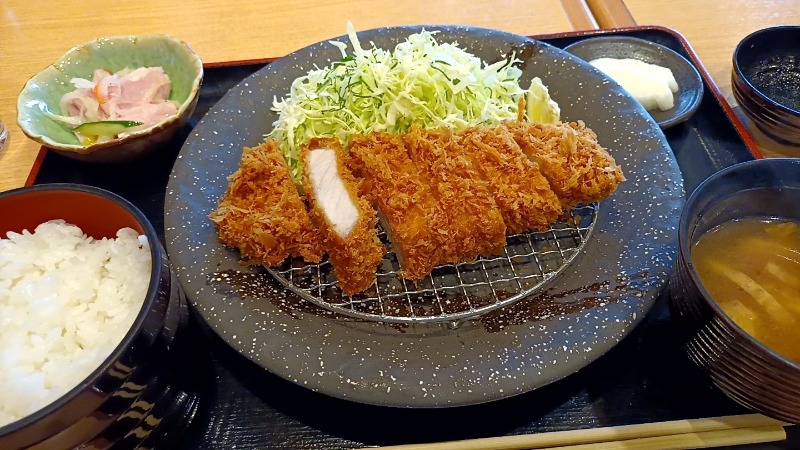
(690, 85)
(586, 311)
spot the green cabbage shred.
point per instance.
(420, 82)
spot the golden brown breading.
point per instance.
(578, 168)
(261, 212)
(416, 224)
(474, 221)
(519, 188)
(354, 257)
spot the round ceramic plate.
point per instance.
(690, 85)
(585, 311)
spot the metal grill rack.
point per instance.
(451, 293)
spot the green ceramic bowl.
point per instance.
(43, 92)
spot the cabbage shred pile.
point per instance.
(420, 82)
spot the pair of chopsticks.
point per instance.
(676, 434)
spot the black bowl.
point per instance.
(138, 373)
(746, 370)
(690, 85)
(766, 81)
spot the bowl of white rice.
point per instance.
(89, 313)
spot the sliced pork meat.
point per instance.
(346, 222)
(412, 217)
(518, 186)
(441, 196)
(475, 225)
(578, 168)
(261, 212)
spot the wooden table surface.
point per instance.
(238, 30)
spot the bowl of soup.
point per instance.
(735, 287)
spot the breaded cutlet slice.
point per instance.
(475, 224)
(519, 188)
(578, 168)
(346, 222)
(413, 218)
(261, 212)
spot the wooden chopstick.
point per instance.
(718, 438)
(611, 13)
(579, 15)
(696, 433)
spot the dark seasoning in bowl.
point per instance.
(766, 81)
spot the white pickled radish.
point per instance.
(651, 84)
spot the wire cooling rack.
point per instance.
(452, 292)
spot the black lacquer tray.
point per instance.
(645, 378)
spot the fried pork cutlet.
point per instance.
(475, 224)
(261, 212)
(413, 218)
(519, 188)
(578, 168)
(346, 222)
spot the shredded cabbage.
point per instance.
(538, 105)
(420, 82)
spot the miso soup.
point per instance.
(751, 268)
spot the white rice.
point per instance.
(66, 301)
